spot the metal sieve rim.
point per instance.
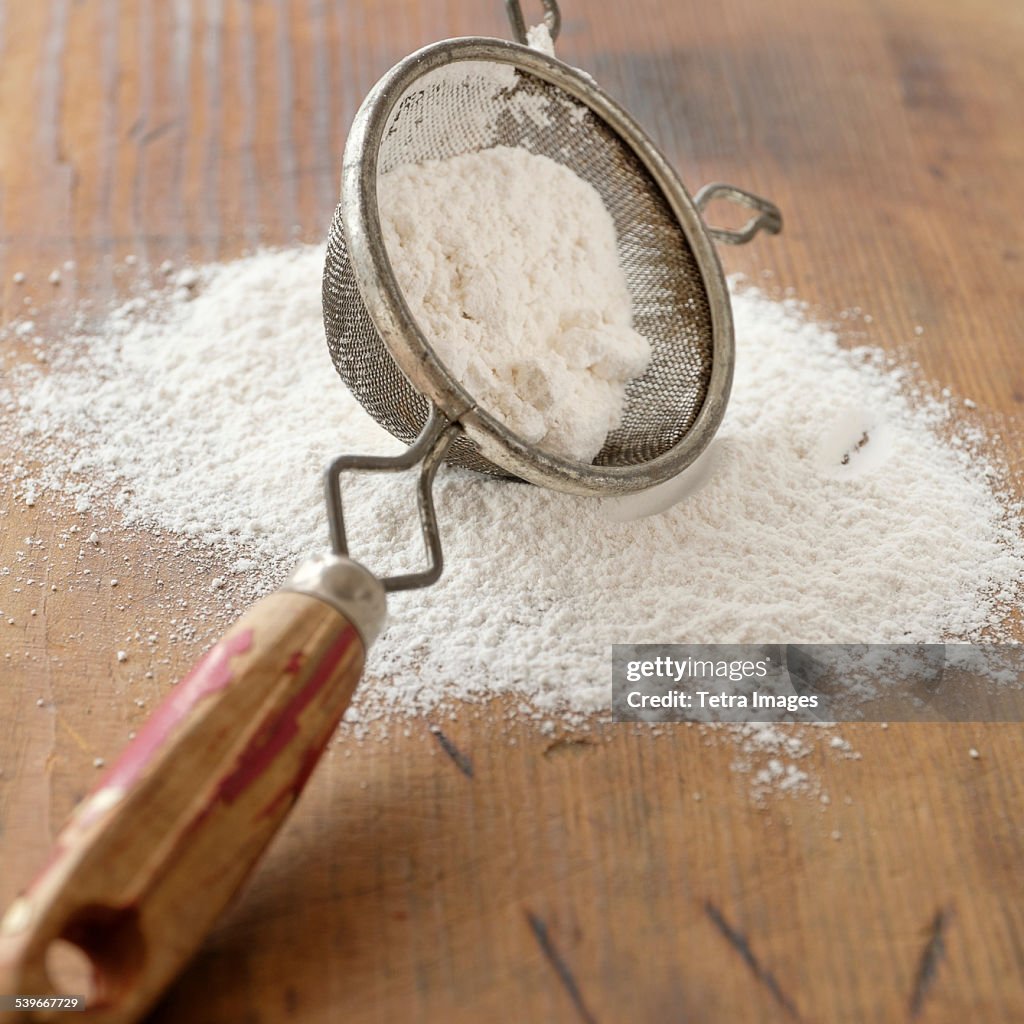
(410, 348)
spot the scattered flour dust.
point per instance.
(833, 507)
(509, 262)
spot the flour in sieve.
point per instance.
(210, 415)
(508, 261)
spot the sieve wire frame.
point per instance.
(411, 350)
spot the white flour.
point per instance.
(508, 262)
(211, 417)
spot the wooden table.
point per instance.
(567, 880)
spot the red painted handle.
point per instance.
(150, 858)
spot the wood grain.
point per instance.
(537, 878)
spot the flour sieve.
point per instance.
(150, 858)
(428, 107)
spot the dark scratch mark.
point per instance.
(462, 762)
(567, 745)
(739, 942)
(154, 133)
(931, 957)
(925, 80)
(565, 975)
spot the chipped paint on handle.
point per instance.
(209, 675)
(181, 818)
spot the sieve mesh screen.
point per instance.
(473, 105)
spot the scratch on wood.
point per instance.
(82, 745)
(155, 133)
(931, 957)
(739, 942)
(565, 975)
(462, 762)
(568, 745)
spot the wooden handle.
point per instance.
(151, 857)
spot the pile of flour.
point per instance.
(508, 261)
(832, 507)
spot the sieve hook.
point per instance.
(768, 217)
(428, 450)
(552, 19)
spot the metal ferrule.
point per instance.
(346, 586)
